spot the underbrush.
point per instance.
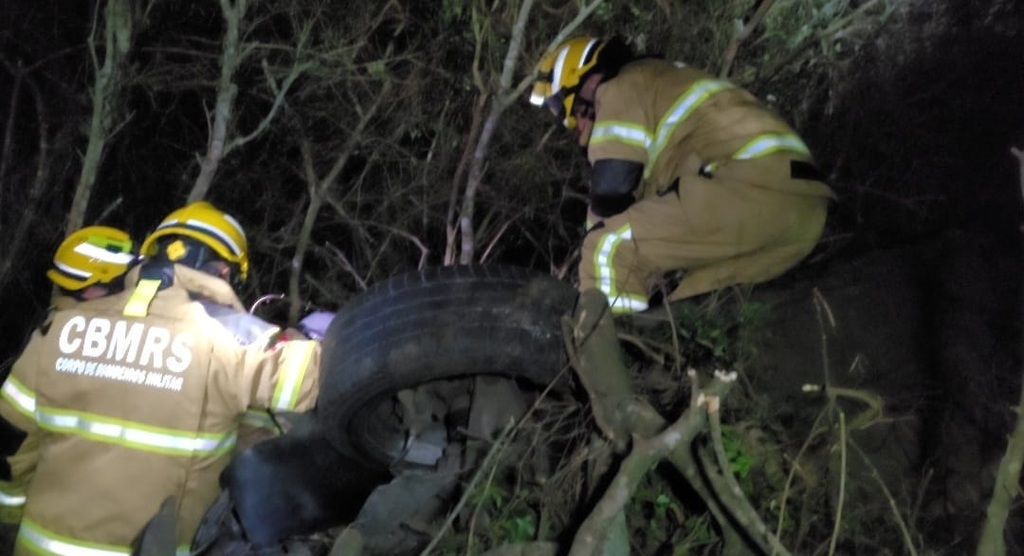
(810, 482)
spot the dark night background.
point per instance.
(911, 108)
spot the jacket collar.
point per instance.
(198, 284)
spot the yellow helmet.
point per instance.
(91, 255)
(560, 74)
(207, 225)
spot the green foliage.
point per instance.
(653, 513)
(495, 515)
(739, 461)
(451, 10)
(720, 335)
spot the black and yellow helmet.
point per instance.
(562, 72)
(209, 227)
(91, 255)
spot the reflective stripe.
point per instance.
(556, 70)
(134, 435)
(677, 114)
(21, 398)
(769, 143)
(623, 132)
(289, 380)
(14, 498)
(105, 255)
(142, 296)
(623, 303)
(605, 271)
(236, 250)
(39, 539)
(70, 270)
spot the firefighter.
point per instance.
(689, 172)
(91, 262)
(135, 399)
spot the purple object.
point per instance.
(315, 324)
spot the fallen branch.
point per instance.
(622, 416)
(646, 453)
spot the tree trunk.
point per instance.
(108, 78)
(230, 58)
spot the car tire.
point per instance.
(434, 324)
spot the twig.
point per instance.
(743, 31)
(345, 264)
(816, 430)
(837, 525)
(822, 309)
(900, 522)
(494, 240)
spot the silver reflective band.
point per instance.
(101, 254)
(623, 304)
(12, 500)
(626, 133)
(288, 382)
(47, 542)
(83, 274)
(21, 398)
(133, 435)
(684, 106)
(235, 249)
(536, 100)
(603, 259)
(556, 70)
(768, 144)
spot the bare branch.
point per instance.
(106, 81)
(1007, 486)
(743, 31)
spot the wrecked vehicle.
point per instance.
(403, 385)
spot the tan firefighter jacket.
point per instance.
(679, 121)
(136, 397)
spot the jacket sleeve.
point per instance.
(20, 468)
(21, 448)
(289, 378)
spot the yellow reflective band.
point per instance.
(20, 398)
(138, 303)
(37, 539)
(289, 381)
(769, 143)
(623, 132)
(136, 436)
(93, 251)
(12, 498)
(604, 268)
(685, 105)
